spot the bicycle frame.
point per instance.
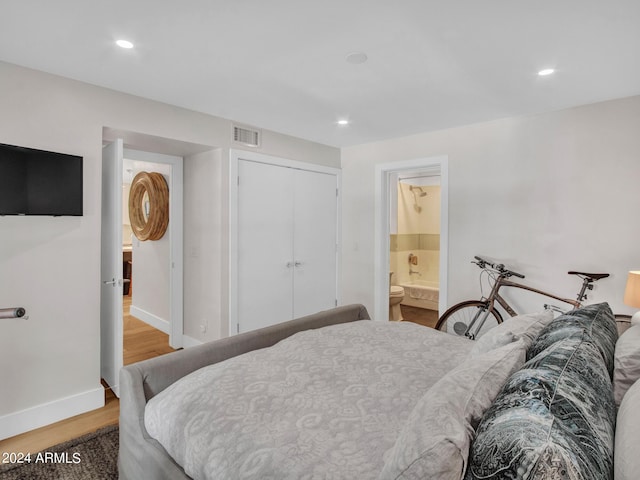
(503, 282)
(494, 296)
(487, 305)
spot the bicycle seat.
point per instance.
(593, 276)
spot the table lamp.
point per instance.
(632, 294)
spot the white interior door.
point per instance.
(265, 245)
(111, 266)
(315, 242)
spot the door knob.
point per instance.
(109, 282)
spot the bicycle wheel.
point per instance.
(457, 318)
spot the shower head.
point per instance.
(422, 192)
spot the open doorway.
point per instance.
(414, 253)
(413, 245)
(145, 311)
(169, 299)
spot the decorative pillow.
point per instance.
(434, 442)
(526, 326)
(596, 320)
(553, 419)
(627, 461)
(626, 369)
(492, 340)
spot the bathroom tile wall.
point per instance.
(425, 246)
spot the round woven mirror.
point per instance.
(149, 206)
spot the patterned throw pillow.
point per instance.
(596, 320)
(553, 419)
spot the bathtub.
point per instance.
(421, 294)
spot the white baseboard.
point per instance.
(188, 342)
(151, 319)
(35, 417)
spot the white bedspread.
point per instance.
(322, 404)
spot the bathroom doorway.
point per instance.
(413, 246)
(414, 254)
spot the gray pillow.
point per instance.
(434, 443)
(526, 326)
(626, 362)
(627, 461)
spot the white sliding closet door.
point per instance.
(314, 244)
(287, 234)
(265, 223)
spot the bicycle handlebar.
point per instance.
(481, 262)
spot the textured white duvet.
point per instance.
(322, 404)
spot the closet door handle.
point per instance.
(290, 264)
(298, 263)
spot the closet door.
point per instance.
(265, 245)
(315, 210)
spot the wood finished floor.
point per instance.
(140, 343)
(428, 318)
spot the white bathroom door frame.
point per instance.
(175, 232)
(234, 157)
(383, 174)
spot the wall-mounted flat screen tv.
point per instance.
(37, 182)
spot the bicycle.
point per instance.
(467, 318)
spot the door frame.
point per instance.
(176, 242)
(234, 157)
(383, 174)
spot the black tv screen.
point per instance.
(37, 182)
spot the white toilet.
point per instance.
(396, 295)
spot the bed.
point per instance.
(336, 395)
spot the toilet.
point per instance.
(396, 295)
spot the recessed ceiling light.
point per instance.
(124, 43)
(545, 72)
(343, 122)
(356, 58)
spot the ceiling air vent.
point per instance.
(246, 136)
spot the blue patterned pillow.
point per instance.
(553, 419)
(596, 320)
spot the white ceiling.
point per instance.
(280, 64)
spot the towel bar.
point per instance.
(16, 312)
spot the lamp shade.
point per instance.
(632, 292)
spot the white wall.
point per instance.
(51, 266)
(203, 298)
(544, 194)
(151, 272)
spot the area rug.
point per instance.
(90, 457)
